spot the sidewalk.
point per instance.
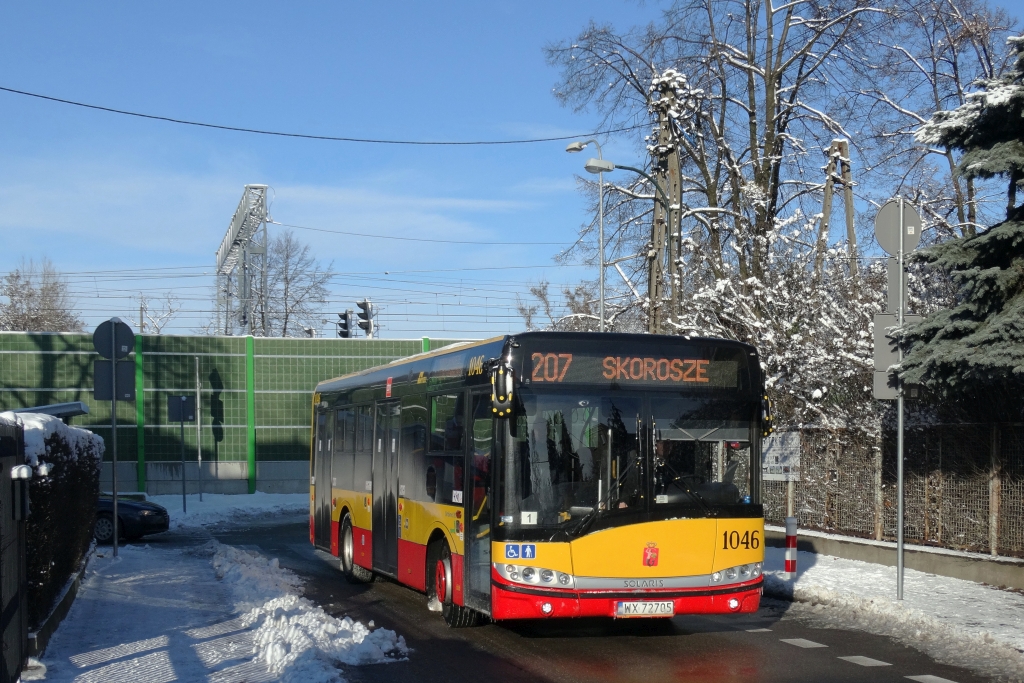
(956, 621)
(208, 612)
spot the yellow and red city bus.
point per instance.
(619, 476)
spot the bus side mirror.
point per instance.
(501, 390)
(767, 420)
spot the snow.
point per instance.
(208, 612)
(955, 621)
(221, 507)
(39, 428)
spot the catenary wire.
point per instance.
(309, 136)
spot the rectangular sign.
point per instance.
(102, 386)
(780, 459)
(181, 408)
(638, 370)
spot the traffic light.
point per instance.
(345, 324)
(366, 317)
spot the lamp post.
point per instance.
(598, 166)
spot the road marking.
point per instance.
(929, 679)
(800, 642)
(864, 661)
(759, 630)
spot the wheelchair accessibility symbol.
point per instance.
(511, 551)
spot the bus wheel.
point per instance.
(353, 572)
(455, 616)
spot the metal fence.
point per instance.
(13, 589)
(964, 486)
(255, 401)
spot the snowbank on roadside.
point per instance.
(221, 507)
(39, 428)
(956, 621)
(297, 640)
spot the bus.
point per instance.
(549, 475)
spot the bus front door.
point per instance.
(322, 482)
(478, 504)
(385, 487)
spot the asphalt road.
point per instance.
(773, 645)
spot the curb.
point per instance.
(40, 638)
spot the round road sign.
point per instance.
(124, 338)
(887, 227)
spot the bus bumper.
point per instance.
(516, 602)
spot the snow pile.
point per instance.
(297, 640)
(39, 428)
(300, 642)
(220, 507)
(957, 622)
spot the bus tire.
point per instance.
(346, 549)
(440, 588)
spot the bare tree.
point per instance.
(154, 316)
(297, 287)
(36, 299)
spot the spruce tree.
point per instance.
(975, 350)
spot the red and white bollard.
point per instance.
(791, 523)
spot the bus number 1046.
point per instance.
(732, 540)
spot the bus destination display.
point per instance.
(576, 368)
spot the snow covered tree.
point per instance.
(977, 345)
(36, 299)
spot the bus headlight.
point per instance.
(564, 579)
(730, 573)
(547, 576)
(529, 573)
(744, 571)
(755, 570)
(716, 577)
(534, 575)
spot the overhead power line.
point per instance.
(403, 239)
(309, 136)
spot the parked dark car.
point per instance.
(137, 518)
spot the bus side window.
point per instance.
(341, 471)
(414, 449)
(447, 446)
(363, 460)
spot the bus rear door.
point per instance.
(322, 482)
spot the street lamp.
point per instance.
(598, 166)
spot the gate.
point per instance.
(13, 616)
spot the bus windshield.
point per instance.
(576, 456)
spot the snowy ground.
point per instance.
(957, 622)
(208, 612)
(218, 507)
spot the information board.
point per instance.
(780, 458)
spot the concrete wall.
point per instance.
(996, 571)
(162, 478)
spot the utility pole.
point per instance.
(838, 159)
(663, 249)
(142, 315)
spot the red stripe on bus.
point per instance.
(362, 553)
(334, 537)
(457, 579)
(412, 564)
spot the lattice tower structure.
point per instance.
(242, 267)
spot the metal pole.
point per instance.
(113, 417)
(600, 238)
(899, 428)
(184, 509)
(199, 429)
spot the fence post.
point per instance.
(994, 486)
(140, 415)
(879, 499)
(250, 412)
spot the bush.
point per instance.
(63, 507)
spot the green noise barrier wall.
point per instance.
(256, 394)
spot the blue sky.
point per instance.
(97, 192)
